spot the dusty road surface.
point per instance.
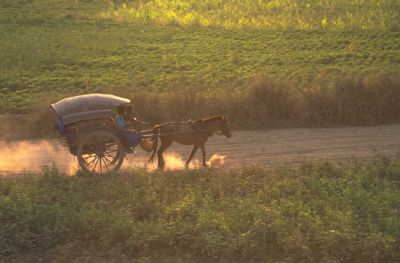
(244, 148)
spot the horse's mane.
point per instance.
(213, 118)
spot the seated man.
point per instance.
(128, 138)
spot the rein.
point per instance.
(147, 133)
(209, 132)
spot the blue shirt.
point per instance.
(120, 122)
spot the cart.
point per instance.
(84, 124)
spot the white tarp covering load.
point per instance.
(87, 107)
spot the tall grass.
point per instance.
(267, 102)
(277, 14)
(315, 213)
(229, 14)
(263, 102)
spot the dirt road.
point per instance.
(244, 148)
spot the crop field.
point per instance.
(53, 49)
(314, 213)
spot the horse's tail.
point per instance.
(151, 160)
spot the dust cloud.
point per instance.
(174, 161)
(31, 156)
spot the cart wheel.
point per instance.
(100, 153)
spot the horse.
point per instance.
(193, 133)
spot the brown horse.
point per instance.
(193, 133)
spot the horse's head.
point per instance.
(218, 124)
(224, 127)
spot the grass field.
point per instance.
(313, 213)
(52, 49)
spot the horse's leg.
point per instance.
(194, 150)
(203, 152)
(165, 143)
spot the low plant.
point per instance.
(318, 212)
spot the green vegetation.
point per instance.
(273, 14)
(56, 48)
(314, 213)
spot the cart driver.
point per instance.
(129, 138)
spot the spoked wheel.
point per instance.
(100, 153)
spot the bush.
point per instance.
(315, 213)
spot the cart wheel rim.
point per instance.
(100, 153)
